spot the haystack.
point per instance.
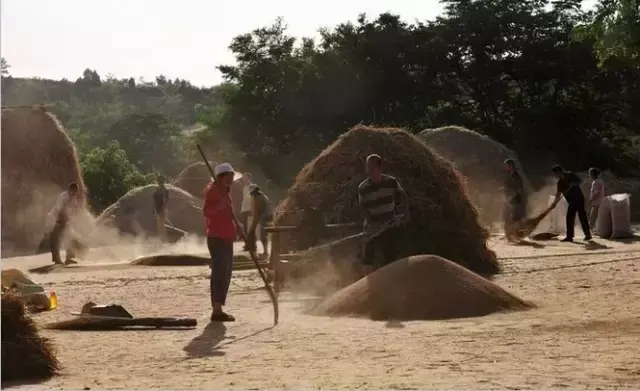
(133, 213)
(39, 161)
(422, 287)
(443, 220)
(480, 160)
(25, 355)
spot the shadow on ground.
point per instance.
(206, 344)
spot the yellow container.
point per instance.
(53, 301)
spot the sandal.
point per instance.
(222, 317)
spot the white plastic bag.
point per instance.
(604, 227)
(620, 215)
(558, 216)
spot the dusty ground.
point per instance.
(584, 334)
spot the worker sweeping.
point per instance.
(262, 213)
(377, 196)
(516, 205)
(67, 206)
(160, 202)
(569, 187)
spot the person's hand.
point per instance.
(251, 242)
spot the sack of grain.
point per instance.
(603, 222)
(558, 216)
(620, 215)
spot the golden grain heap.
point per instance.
(422, 287)
(480, 160)
(133, 213)
(443, 220)
(38, 162)
(26, 356)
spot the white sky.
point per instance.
(58, 39)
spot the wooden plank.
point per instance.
(291, 228)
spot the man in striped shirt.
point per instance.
(377, 196)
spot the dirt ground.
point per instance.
(584, 334)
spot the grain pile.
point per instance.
(26, 356)
(480, 160)
(422, 287)
(443, 220)
(133, 213)
(39, 161)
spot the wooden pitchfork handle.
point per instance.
(252, 253)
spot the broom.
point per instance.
(527, 226)
(252, 253)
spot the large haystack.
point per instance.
(133, 213)
(443, 221)
(422, 287)
(26, 356)
(480, 160)
(38, 162)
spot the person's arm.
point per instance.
(404, 199)
(365, 211)
(257, 212)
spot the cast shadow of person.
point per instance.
(592, 245)
(206, 344)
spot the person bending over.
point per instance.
(569, 187)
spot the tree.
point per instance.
(154, 143)
(4, 67)
(109, 175)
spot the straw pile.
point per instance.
(25, 354)
(443, 221)
(422, 287)
(480, 160)
(39, 161)
(134, 210)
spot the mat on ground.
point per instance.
(113, 317)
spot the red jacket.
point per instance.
(218, 218)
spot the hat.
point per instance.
(225, 168)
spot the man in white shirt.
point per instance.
(247, 201)
(596, 196)
(67, 205)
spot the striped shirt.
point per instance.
(379, 198)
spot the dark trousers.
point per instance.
(381, 250)
(56, 237)
(577, 207)
(221, 252)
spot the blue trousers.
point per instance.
(221, 252)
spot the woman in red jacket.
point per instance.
(221, 233)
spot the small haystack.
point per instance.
(422, 287)
(39, 161)
(480, 160)
(26, 356)
(133, 213)
(443, 221)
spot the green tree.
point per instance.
(109, 175)
(4, 67)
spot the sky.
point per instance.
(57, 39)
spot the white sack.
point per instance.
(620, 215)
(557, 218)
